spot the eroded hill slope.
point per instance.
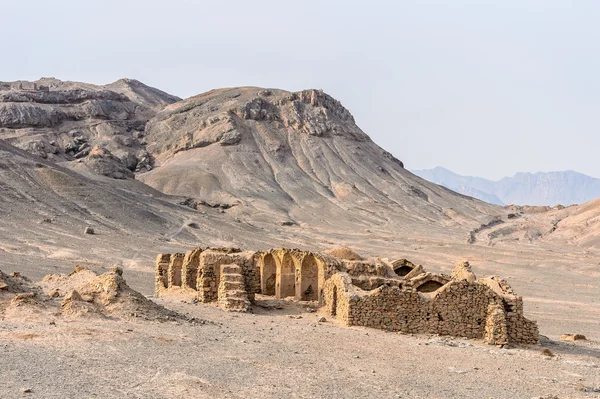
(295, 158)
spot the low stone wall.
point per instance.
(459, 308)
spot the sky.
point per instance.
(483, 88)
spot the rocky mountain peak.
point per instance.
(225, 116)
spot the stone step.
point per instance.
(231, 269)
(237, 294)
(233, 277)
(233, 285)
(232, 289)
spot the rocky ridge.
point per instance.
(65, 121)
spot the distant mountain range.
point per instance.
(542, 188)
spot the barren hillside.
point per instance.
(298, 159)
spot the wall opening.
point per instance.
(287, 277)
(164, 275)
(334, 300)
(430, 286)
(309, 279)
(176, 275)
(403, 270)
(268, 275)
(190, 269)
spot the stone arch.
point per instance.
(286, 277)
(308, 288)
(268, 274)
(402, 267)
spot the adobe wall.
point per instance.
(459, 308)
(198, 272)
(336, 295)
(161, 280)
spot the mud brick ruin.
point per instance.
(377, 293)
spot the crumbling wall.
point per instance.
(209, 271)
(336, 296)
(495, 326)
(251, 273)
(161, 277)
(372, 267)
(361, 292)
(189, 272)
(369, 283)
(519, 328)
(199, 270)
(459, 308)
(232, 289)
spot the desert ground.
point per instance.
(275, 353)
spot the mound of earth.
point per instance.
(83, 293)
(22, 299)
(344, 253)
(13, 283)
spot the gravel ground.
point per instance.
(275, 353)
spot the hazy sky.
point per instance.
(483, 88)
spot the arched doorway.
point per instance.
(268, 275)
(309, 279)
(286, 284)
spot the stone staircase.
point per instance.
(232, 289)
